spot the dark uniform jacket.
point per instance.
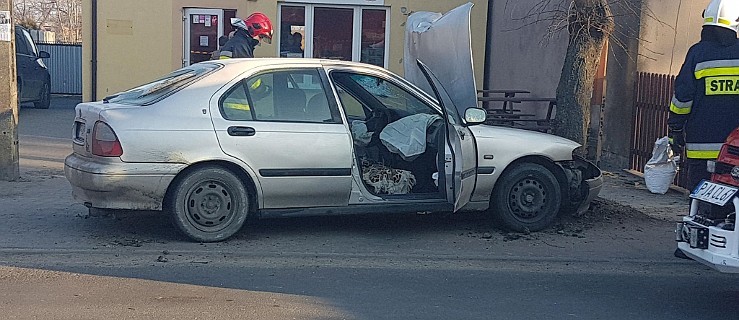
(705, 106)
(240, 46)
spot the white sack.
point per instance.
(660, 170)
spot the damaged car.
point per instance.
(220, 141)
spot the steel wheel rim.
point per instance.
(527, 199)
(210, 206)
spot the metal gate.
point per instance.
(653, 96)
(65, 67)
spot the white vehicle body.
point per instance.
(277, 153)
(710, 245)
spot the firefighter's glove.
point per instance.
(677, 141)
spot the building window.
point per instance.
(332, 33)
(373, 36)
(341, 32)
(292, 31)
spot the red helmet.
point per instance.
(258, 25)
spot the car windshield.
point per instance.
(31, 44)
(162, 87)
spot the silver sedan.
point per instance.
(216, 142)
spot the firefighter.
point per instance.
(705, 107)
(249, 32)
(215, 55)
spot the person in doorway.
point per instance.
(704, 107)
(249, 32)
(297, 40)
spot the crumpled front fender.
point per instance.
(584, 181)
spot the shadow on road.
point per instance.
(58, 101)
(155, 226)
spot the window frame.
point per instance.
(431, 104)
(242, 85)
(324, 84)
(356, 28)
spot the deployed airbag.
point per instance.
(407, 136)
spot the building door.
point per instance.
(342, 32)
(203, 27)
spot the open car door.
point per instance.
(461, 155)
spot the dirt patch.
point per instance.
(602, 213)
(629, 190)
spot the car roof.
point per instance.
(247, 63)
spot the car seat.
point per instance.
(317, 109)
(290, 104)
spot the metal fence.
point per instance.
(653, 96)
(65, 67)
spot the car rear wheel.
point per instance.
(45, 98)
(209, 204)
(526, 197)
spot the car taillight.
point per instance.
(104, 141)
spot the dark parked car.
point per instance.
(34, 82)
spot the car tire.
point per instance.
(526, 198)
(209, 204)
(45, 98)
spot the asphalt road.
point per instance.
(58, 263)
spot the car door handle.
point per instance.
(241, 131)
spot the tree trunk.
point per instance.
(590, 23)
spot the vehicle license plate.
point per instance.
(715, 193)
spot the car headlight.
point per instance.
(735, 173)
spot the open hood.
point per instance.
(444, 44)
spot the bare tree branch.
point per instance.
(64, 17)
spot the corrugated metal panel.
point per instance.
(65, 67)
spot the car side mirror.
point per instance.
(474, 116)
(43, 54)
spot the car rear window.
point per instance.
(164, 86)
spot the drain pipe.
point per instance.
(94, 49)
(487, 69)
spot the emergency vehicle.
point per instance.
(708, 234)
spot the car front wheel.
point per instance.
(526, 197)
(209, 204)
(44, 100)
